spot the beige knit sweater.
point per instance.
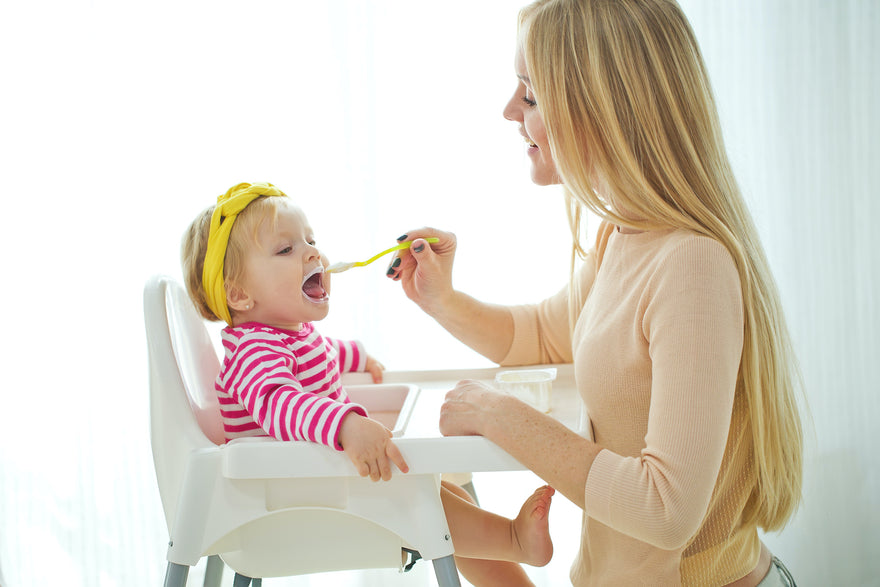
(656, 349)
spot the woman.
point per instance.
(673, 321)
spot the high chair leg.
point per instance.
(175, 575)
(446, 571)
(213, 571)
(242, 581)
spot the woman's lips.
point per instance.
(532, 147)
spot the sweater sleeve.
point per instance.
(692, 319)
(260, 377)
(352, 357)
(542, 331)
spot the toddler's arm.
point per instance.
(351, 357)
(350, 354)
(368, 444)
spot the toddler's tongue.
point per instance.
(313, 287)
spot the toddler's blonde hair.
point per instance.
(244, 234)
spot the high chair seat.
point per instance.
(270, 508)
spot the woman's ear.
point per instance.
(238, 299)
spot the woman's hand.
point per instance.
(425, 270)
(470, 409)
(368, 444)
(558, 455)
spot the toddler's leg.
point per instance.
(484, 541)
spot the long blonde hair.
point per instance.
(626, 100)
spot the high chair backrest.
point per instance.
(184, 410)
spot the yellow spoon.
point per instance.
(340, 267)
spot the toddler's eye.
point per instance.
(285, 251)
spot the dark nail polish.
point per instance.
(390, 271)
(419, 249)
(396, 262)
(402, 238)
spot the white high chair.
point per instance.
(268, 508)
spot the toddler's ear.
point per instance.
(238, 299)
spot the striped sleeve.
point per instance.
(259, 376)
(351, 355)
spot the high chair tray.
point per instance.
(416, 430)
(266, 458)
(391, 404)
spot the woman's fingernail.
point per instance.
(419, 248)
(402, 238)
(390, 271)
(396, 262)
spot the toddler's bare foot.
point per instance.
(531, 528)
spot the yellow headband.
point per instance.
(228, 207)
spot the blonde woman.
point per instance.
(672, 320)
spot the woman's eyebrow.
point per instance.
(524, 79)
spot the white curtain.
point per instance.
(121, 121)
(797, 86)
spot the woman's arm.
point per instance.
(552, 451)
(693, 324)
(561, 457)
(486, 328)
(425, 272)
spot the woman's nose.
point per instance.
(511, 111)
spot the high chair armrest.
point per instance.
(265, 458)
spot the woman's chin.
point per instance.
(544, 178)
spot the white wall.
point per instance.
(121, 121)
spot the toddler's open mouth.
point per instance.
(313, 285)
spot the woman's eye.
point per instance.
(529, 102)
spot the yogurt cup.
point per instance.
(532, 386)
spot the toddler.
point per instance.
(251, 261)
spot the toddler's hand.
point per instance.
(368, 444)
(375, 369)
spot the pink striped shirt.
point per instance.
(286, 384)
